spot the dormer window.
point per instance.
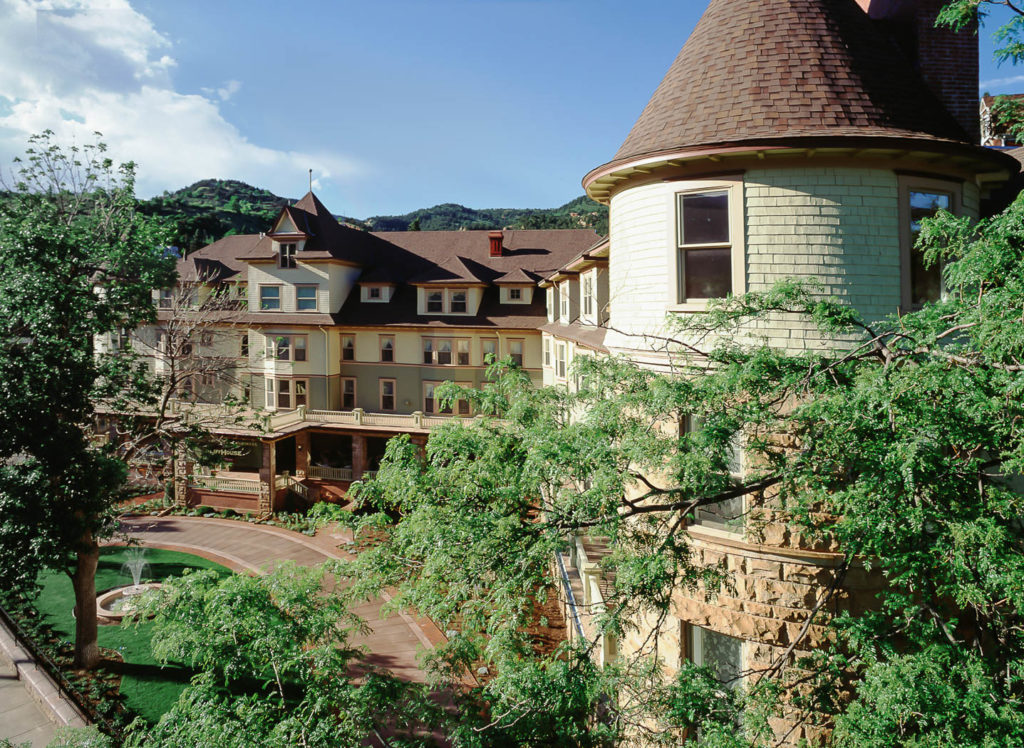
(515, 294)
(374, 292)
(286, 256)
(435, 301)
(458, 302)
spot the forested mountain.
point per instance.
(212, 208)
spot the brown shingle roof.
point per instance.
(767, 70)
(218, 261)
(452, 270)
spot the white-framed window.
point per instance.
(704, 241)
(551, 302)
(286, 394)
(286, 256)
(306, 298)
(348, 347)
(348, 393)
(587, 294)
(374, 293)
(547, 351)
(563, 301)
(707, 244)
(721, 653)
(388, 394)
(387, 348)
(515, 294)
(462, 352)
(922, 198)
(243, 345)
(458, 301)
(435, 302)
(515, 350)
(561, 360)
(286, 347)
(270, 298)
(166, 300)
(488, 347)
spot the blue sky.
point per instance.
(395, 105)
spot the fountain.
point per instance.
(115, 604)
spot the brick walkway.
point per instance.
(393, 642)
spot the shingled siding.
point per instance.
(839, 227)
(641, 280)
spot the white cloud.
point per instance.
(82, 66)
(984, 86)
(225, 92)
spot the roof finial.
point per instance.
(310, 180)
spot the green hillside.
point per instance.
(213, 208)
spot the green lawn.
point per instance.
(149, 690)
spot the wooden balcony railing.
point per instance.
(329, 473)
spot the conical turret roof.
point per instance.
(767, 70)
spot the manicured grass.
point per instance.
(149, 690)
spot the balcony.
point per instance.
(301, 417)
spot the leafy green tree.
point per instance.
(930, 496)
(76, 261)
(276, 666)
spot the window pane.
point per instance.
(925, 282)
(270, 297)
(705, 218)
(459, 301)
(300, 392)
(387, 349)
(722, 654)
(428, 351)
(305, 297)
(708, 273)
(435, 301)
(284, 349)
(300, 349)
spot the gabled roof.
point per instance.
(451, 270)
(219, 261)
(327, 239)
(517, 277)
(771, 70)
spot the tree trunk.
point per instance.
(87, 651)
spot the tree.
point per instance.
(275, 666)
(932, 399)
(194, 352)
(76, 261)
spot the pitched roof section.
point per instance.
(328, 239)
(517, 277)
(452, 270)
(766, 70)
(220, 261)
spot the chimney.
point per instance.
(946, 59)
(496, 237)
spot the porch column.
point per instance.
(268, 472)
(182, 469)
(302, 441)
(358, 456)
